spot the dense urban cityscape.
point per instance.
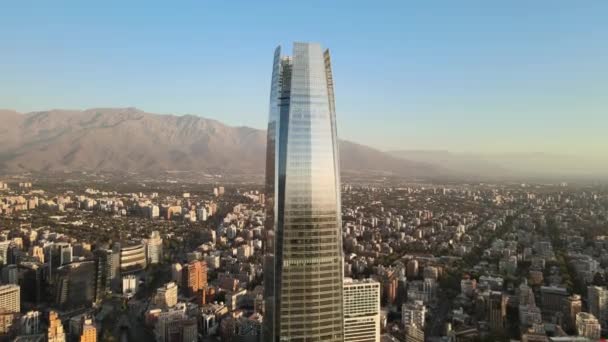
(121, 225)
(454, 262)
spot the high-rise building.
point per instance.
(103, 267)
(361, 310)
(133, 257)
(195, 277)
(529, 313)
(10, 298)
(155, 248)
(552, 298)
(75, 285)
(55, 332)
(572, 306)
(303, 240)
(114, 264)
(31, 279)
(597, 298)
(4, 246)
(389, 280)
(65, 253)
(497, 310)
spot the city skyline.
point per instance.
(464, 77)
(164, 176)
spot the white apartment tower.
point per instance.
(361, 310)
(413, 312)
(155, 248)
(10, 298)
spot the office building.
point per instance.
(572, 306)
(133, 257)
(31, 279)
(303, 239)
(155, 248)
(66, 253)
(10, 298)
(103, 267)
(497, 310)
(597, 299)
(361, 310)
(75, 285)
(552, 298)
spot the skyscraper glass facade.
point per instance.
(303, 244)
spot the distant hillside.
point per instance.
(532, 165)
(127, 139)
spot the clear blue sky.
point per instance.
(475, 76)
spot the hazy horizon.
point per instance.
(40, 133)
(470, 78)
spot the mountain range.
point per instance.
(132, 140)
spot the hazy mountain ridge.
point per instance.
(127, 139)
(509, 165)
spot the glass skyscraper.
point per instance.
(303, 267)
